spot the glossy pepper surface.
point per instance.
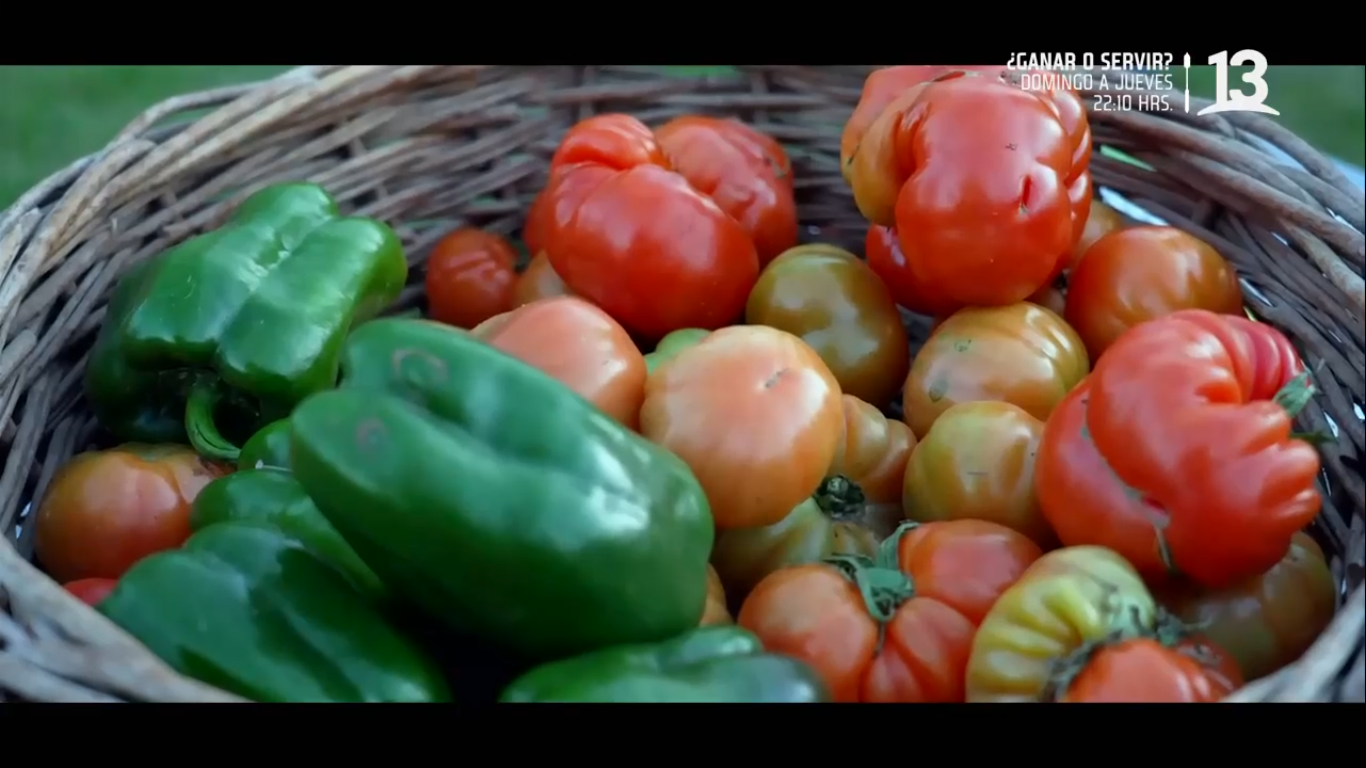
(498, 501)
(709, 665)
(246, 609)
(249, 317)
(273, 497)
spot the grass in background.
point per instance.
(54, 115)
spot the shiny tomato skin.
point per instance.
(977, 462)
(817, 614)
(757, 416)
(106, 510)
(1176, 413)
(1269, 620)
(716, 611)
(1101, 221)
(744, 171)
(873, 452)
(470, 277)
(1068, 598)
(629, 234)
(986, 185)
(538, 281)
(887, 262)
(1144, 671)
(1142, 273)
(91, 591)
(1020, 354)
(580, 346)
(838, 306)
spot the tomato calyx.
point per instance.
(839, 497)
(883, 589)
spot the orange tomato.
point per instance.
(839, 307)
(716, 611)
(755, 413)
(91, 591)
(1102, 221)
(580, 346)
(538, 281)
(1146, 671)
(873, 451)
(746, 172)
(106, 510)
(1139, 274)
(899, 630)
(1270, 620)
(977, 462)
(1020, 354)
(470, 275)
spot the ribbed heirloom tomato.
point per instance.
(899, 629)
(470, 277)
(1139, 274)
(580, 346)
(628, 233)
(755, 414)
(1020, 354)
(1177, 451)
(538, 281)
(986, 185)
(839, 307)
(744, 171)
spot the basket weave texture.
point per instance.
(427, 148)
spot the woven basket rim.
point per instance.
(379, 135)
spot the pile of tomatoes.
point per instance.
(1094, 494)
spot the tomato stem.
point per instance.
(838, 496)
(884, 590)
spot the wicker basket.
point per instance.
(427, 147)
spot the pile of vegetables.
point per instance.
(658, 463)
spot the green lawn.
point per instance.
(53, 115)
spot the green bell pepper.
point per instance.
(275, 498)
(709, 665)
(249, 317)
(497, 501)
(246, 609)
(669, 346)
(269, 447)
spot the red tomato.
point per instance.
(876, 635)
(987, 185)
(538, 281)
(1144, 671)
(106, 510)
(628, 233)
(1020, 354)
(1102, 221)
(744, 171)
(580, 346)
(1269, 620)
(91, 591)
(1135, 275)
(755, 414)
(470, 275)
(1207, 480)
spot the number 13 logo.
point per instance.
(1228, 99)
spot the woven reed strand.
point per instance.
(431, 147)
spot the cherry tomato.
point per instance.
(873, 452)
(538, 281)
(744, 171)
(755, 414)
(669, 346)
(1180, 410)
(1102, 221)
(580, 346)
(899, 630)
(987, 185)
(838, 306)
(632, 236)
(1135, 275)
(1020, 354)
(887, 262)
(716, 611)
(1270, 620)
(91, 591)
(106, 510)
(470, 275)
(1067, 600)
(1145, 671)
(977, 462)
